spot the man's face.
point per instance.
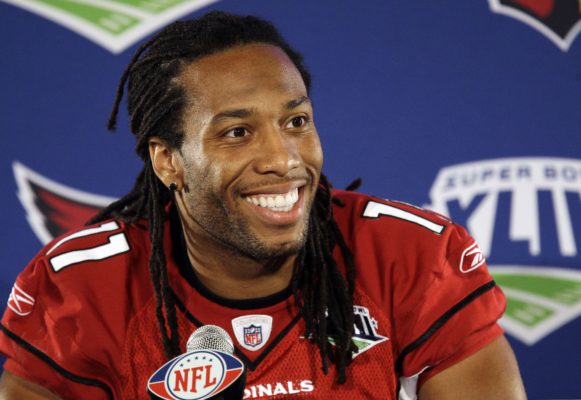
(251, 155)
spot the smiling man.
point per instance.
(250, 161)
(327, 294)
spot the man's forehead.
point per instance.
(250, 61)
(242, 76)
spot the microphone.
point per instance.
(215, 338)
(207, 371)
(210, 337)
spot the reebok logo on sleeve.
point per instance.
(471, 259)
(20, 302)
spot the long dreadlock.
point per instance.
(322, 292)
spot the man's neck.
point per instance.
(232, 275)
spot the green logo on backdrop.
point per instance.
(539, 300)
(115, 25)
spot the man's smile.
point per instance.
(277, 202)
(282, 208)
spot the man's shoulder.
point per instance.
(79, 297)
(93, 254)
(368, 210)
(98, 267)
(394, 225)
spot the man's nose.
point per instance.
(278, 153)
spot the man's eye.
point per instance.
(236, 132)
(297, 122)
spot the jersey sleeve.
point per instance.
(430, 278)
(448, 307)
(63, 326)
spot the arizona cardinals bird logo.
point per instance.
(559, 20)
(53, 208)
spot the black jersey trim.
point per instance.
(251, 365)
(185, 311)
(51, 363)
(440, 322)
(187, 271)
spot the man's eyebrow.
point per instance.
(247, 112)
(239, 113)
(297, 102)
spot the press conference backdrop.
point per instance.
(470, 108)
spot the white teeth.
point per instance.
(279, 201)
(276, 202)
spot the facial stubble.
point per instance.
(227, 225)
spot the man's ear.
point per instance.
(166, 162)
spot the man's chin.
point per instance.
(265, 252)
(265, 244)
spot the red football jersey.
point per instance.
(81, 316)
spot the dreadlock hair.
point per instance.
(323, 294)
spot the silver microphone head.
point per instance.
(210, 337)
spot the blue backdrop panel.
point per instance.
(468, 108)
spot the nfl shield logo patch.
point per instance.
(253, 335)
(252, 331)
